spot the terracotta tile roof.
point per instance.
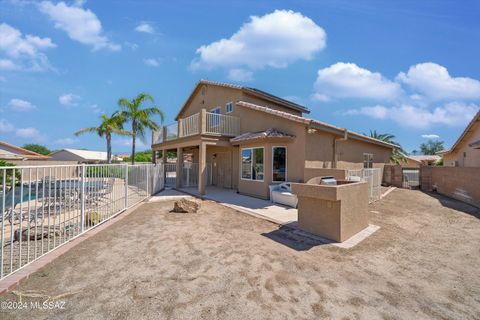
(20, 153)
(269, 133)
(315, 124)
(424, 158)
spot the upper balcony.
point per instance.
(204, 122)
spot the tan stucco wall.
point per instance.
(335, 212)
(216, 96)
(472, 156)
(461, 183)
(320, 149)
(295, 150)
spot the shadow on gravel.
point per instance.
(290, 236)
(455, 204)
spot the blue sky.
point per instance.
(409, 68)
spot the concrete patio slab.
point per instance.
(262, 208)
(167, 195)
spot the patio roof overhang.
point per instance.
(271, 135)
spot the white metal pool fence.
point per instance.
(374, 179)
(43, 207)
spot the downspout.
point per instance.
(335, 155)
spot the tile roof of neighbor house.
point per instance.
(19, 153)
(467, 130)
(424, 158)
(86, 154)
(253, 91)
(266, 134)
(315, 124)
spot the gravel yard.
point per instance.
(221, 264)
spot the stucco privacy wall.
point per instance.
(472, 156)
(457, 182)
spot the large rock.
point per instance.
(41, 232)
(185, 206)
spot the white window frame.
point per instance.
(226, 107)
(286, 163)
(251, 164)
(370, 159)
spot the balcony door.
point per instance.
(222, 170)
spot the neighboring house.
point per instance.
(81, 156)
(246, 139)
(9, 152)
(417, 161)
(466, 151)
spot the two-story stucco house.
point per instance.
(466, 150)
(246, 139)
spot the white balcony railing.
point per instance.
(212, 123)
(222, 124)
(190, 125)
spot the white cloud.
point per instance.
(434, 81)
(5, 126)
(145, 27)
(430, 136)
(377, 112)
(31, 134)
(95, 108)
(238, 74)
(274, 40)
(6, 64)
(20, 105)
(127, 142)
(66, 141)
(453, 114)
(69, 99)
(152, 62)
(347, 80)
(80, 24)
(23, 52)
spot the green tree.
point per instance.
(398, 154)
(108, 126)
(140, 118)
(143, 156)
(8, 174)
(37, 148)
(431, 147)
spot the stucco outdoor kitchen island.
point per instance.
(336, 212)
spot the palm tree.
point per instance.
(140, 118)
(108, 126)
(398, 154)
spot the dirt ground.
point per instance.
(423, 263)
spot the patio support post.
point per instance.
(203, 121)
(202, 167)
(180, 128)
(178, 179)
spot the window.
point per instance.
(229, 107)
(368, 160)
(279, 164)
(252, 164)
